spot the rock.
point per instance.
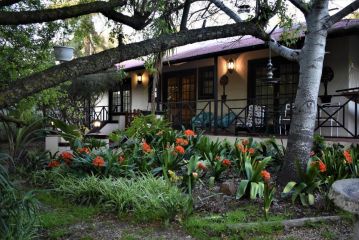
(345, 194)
(228, 188)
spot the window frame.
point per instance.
(201, 80)
(125, 85)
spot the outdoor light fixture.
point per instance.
(97, 123)
(139, 78)
(230, 65)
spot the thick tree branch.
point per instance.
(48, 15)
(302, 6)
(288, 53)
(137, 22)
(4, 3)
(227, 10)
(86, 65)
(342, 13)
(185, 13)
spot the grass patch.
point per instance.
(221, 226)
(61, 212)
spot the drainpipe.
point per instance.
(215, 93)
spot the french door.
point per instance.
(180, 92)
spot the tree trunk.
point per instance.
(302, 126)
(156, 77)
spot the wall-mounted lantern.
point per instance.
(97, 123)
(230, 65)
(139, 78)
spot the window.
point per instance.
(206, 83)
(273, 95)
(120, 100)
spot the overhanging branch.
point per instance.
(342, 13)
(302, 6)
(97, 62)
(48, 15)
(226, 10)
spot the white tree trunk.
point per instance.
(305, 107)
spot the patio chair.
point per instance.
(285, 119)
(202, 119)
(255, 118)
(226, 120)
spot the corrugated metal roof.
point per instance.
(225, 44)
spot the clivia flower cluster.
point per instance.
(348, 157)
(244, 149)
(98, 162)
(67, 157)
(320, 164)
(189, 133)
(181, 141)
(53, 164)
(83, 150)
(266, 176)
(146, 147)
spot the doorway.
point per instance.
(180, 94)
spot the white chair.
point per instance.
(329, 117)
(286, 118)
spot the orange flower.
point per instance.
(348, 157)
(121, 159)
(83, 150)
(251, 151)
(67, 157)
(179, 149)
(54, 163)
(322, 167)
(241, 148)
(201, 165)
(245, 142)
(182, 141)
(265, 175)
(226, 162)
(189, 133)
(98, 162)
(146, 147)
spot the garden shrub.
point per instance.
(17, 218)
(145, 197)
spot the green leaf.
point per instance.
(260, 189)
(254, 190)
(303, 199)
(242, 187)
(298, 190)
(311, 199)
(289, 187)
